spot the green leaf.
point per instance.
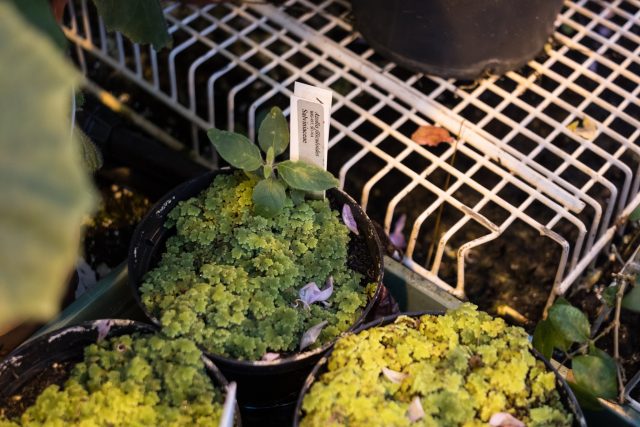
(596, 374)
(267, 171)
(543, 338)
(609, 295)
(236, 149)
(45, 190)
(39, 14)
(546, 338)
(635, 214)
(140, 20)
(269, 197)
(270, 156)
(570, 322)
(297, 196)
(306, 177)
(631, 300)
(91, 156)
(274, 132)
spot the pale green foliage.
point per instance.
(45, 192)
(464, 366)
(131, 381)
(229, 278)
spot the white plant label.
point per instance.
(310, 115)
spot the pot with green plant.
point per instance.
(459, 368)
(112, 372)
(256, 266)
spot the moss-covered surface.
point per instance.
(463, 366)
(130, 381)
(229, 279)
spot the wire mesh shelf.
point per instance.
(519, 199)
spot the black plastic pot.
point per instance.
(463, 39)
(49, 358)
(566, 394)
(261, 384)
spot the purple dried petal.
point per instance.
(349, 221)
(270, 357)
(394, 376)
(226, 420)
(103, 326)
(312, 335)
(396, 236)
(415, 411)
(504, 419)
(310, 293)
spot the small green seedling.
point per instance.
(270, 193)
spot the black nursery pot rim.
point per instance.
(163, 204)
(117, 327)
(569, 400)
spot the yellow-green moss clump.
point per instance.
(130, 381)
(229, 279)
(463, 366)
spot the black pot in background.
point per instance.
(263, 387)
(566, 394)
(463, 39)
(49, 358)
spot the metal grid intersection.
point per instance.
(515, 162)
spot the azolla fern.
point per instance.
(459, 369)
(237, 282)
(130, 380)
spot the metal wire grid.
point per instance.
(515, 160)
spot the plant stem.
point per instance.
(616, 340)
(436, 228)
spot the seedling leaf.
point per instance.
(297, 196)
(306, 177)
(570, 322)
(236, 149)
(274, 132)
(631, 300)
(596, 374)
(140, 20)
(268, 197)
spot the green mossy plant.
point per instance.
(230, 279)
(130, 380)
(462, 367)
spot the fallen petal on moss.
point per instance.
(310, 293)
(394, 376)
(349, 221)
(312, 335)
(415, 411)
(504, 419)
(103, 326)
(270, 357)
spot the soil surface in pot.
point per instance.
(57, 374)
(108, 232)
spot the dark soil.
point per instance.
(109, 232)
(13, 406)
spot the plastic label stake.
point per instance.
(310, 115)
